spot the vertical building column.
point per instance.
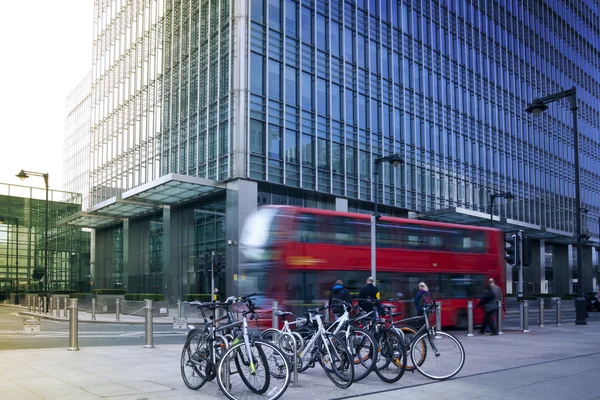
(241, 200)
(562, 269)
(542, 266)
(126, 254)
(588, 272)
(92, 261)
(537, 270)
(509, 279)
(239, 89)
(341, 204)
(168, 285)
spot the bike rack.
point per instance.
(294, 357)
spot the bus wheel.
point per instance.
(461, 320)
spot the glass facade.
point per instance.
(77, 141)
(337, 84)
(22, 241)
(126, 95)
(196, 121)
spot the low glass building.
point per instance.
(23, 241)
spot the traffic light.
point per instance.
(526, 246)
(510, 247)
(207, 263)
(218, 265)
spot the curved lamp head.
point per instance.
(396, 160)
(22, 175)
(536, 108)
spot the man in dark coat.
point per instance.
(369, 291)
(488, 302)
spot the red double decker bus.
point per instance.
(294, 255)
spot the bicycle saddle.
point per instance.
(281, 313)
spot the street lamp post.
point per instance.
(394, 160)
(536, 108)
(22, 175)
(493, 197)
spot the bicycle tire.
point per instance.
(286, 343)
(363, 349)
(239, 391)
(306, 357)
(195, 357)
(440, 344)
(391, 360)
(409, 334)
(336, 361)
(242, 364)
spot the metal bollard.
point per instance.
(45, 309)
(58, 307)
(541, 320)
(66, 314)
(526, 316)
(29, 303)
(118, 310)
(295, 359)
(558, 312)
(438, 316)
(178, 309)
(499, 317)
(93, 309)
(149, 341)
(37, 304)
(470, 318)
(73, 328)
(275, 317)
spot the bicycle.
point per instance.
(199, 355)
(440, 343)
(262, 367)
(328, 349)
(391, 361)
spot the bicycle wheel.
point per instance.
(409, 335)
(306, 357)
(391, 360)
(195, 361)
(446, 355)
(336, 361)
(240, 381)
(363, 349)
(286, 343)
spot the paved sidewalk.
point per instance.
(548, 363)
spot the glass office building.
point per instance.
(211, 108)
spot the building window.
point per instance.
(257, 73)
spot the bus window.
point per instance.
(344, 231)
(306, 229)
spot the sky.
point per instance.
(46, 50)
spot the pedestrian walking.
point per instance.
(422, 298)
(488, 303)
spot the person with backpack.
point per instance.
(341, 293)
(423, 298)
